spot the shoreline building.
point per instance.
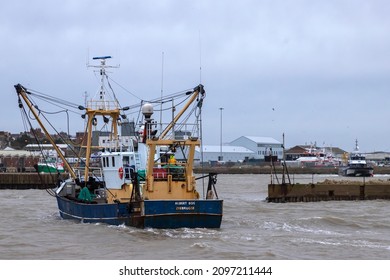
(243, 149)
(211, 154)
(261, 146)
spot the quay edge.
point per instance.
(281, 193)
(23, 181)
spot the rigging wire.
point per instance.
(42, 113)
(33, 132)
(53, 99)
(113, 93)
(66, 111)
(163, 99)
(134, 109)
(185, 121)
(122, 87)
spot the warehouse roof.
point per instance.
(261, 139)
(225, 149)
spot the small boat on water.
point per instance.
(357, 165)
(49, 166)
(140, 182)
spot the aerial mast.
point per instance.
(100, 106)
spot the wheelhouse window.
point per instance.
(126, 160)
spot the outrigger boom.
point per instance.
(22, 92)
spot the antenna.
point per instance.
(87, 58)
(101, 57)
(162, 89)
(103, 103)
(200, 59)
(85, 98)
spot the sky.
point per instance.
(313, 71)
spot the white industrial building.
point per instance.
(261, 146)
(229, 153)
(242, 149)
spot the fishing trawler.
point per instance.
(141, 182)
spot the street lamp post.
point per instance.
(220, 158)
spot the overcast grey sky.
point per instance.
(318, 71)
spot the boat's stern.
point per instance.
(202, 213)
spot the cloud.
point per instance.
(322, 64)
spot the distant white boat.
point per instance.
(357, 165)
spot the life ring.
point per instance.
(120, 173)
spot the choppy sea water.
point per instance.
(252, 229)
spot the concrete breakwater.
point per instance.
(344, 189)
(29, 180)
(329, 190)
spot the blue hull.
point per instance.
(183, 213)
(113, 214)
(154, 213)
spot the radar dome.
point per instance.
(147, 110)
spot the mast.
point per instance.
(100, 106)
(21, 91)
(284, 164)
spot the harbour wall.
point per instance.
(328, 191)
(29, 180)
